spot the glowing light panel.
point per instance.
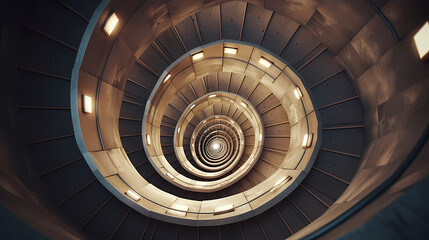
(166, 78)
(111, 23)
(228, 50)
(87, 104)
(197, 56)
(421, 39)
(265, 62)
(134, 196)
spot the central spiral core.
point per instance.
(217, 143)
(215, 146)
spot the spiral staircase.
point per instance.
(52, 33)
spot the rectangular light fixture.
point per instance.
(421, 39)
(243, 104)
(197, 56)
(170, 175)
(260, 137)
(204, 121)
(148, 139)
(280, 183)
(265, 62)
(229, 50)
(232, 121)
(192, 106)
(86, 104)
(306, 141)
(111, 23)
(178, 130)
(224, 209)
(298, 93)
(174, 207)
(212, 96)
(166, 78)
(134, 196)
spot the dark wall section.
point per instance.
(409, 212)
(20, 188)
(392, 83)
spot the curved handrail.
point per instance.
(239, 60)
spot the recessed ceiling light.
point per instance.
(306, 141)
(174, 210)
(111, 23)
(166, 78)
(148, 139)
(170, 175)
(298, 93)
(86, 104)
(260, 137)
(178, 130)
(243, 104)
(224, 209)
(204, 121)
(213, 95)
(280, 183)
(265, 62)
(192, 106)
(197, 56)
(229, 50)
(421, 40)
(134, 196)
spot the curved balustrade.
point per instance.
(283, 83)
